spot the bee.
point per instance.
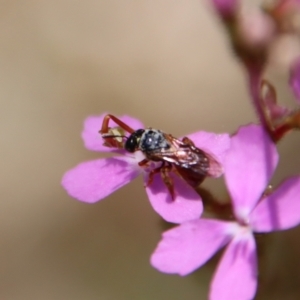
(179, 156)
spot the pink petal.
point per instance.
(94, 180)
(212, 143)
(186, 206)
(185, 248)
(236, 275)
(280, 210)
(295, 80)
(91, 136)
(249, 165)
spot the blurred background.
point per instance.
(167, 63)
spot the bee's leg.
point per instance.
(114, 138)
(152, 173)
(165, 175)
(164, 171)
(105, 128)
(110, 135)
(187, 141)
(143, 162)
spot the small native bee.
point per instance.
(179, 156)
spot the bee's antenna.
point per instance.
(113, 136)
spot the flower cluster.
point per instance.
(248, 159)
(249, 165)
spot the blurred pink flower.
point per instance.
(295, 79)
(94, 180)
(225, 7)
(249, 165)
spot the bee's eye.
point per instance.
(131, 144)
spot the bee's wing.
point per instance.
(192, 163)
(215, 169)
(195, 173)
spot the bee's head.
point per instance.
(133, 140)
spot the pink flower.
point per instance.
(249, 165)
(94, 180)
